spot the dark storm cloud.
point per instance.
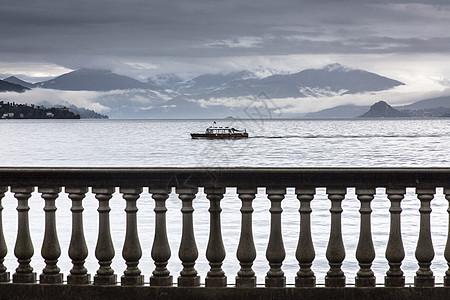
(71, 33)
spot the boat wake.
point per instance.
(368, 136)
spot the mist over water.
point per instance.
(272, 143)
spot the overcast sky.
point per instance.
(142, 37)
(405, 40)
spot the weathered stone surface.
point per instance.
(83, 292)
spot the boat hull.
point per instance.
(219, 135)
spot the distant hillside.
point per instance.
(383, 110)
(83, 112)
(342, 111)
(427, 103)
(11, 87)
(427, 108)
(436, 112)
(23, 111)
(15, 80)
(86, 113)
(92, 80)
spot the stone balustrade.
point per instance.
(185, 182)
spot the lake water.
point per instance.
(274, 143)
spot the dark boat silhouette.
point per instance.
(216, 132)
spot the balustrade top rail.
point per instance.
(227, 177)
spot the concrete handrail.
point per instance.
(186, 181)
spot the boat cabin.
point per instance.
(214, 132)
(221, 130)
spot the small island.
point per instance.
(24, 111)
(383, 110)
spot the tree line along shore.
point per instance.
(24, 111)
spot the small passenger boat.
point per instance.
(215, 132)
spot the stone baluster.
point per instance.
(335, 250)
(131, 251)
(104, 251)
(188, 252)
(50, 250)
(215, 251)
(78, 250)
(161, 249)
(246, 251)
(4, 276)
(447, 245)
(23, 249)
(395, 253)
(305, 253)
(424, 250)
(275, 252)
(365, 252)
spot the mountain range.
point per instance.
(333, 78)
(169, 96)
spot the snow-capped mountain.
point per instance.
(331, 80)
(209, 83)
(164, 81)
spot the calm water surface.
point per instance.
(296, 143)
(274, 143)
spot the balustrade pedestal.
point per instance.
(4, 276)
(335, 250)
(395, 252)
(131, 251)
(305, 253)
(424, 250)
(246, 251)
(188, 252)
(50, 246)
(365, 252)
(104, 251)
(447, 244)
(160, 249)
(275, 252)
(23, 249)
(78, 250)
(215, 251)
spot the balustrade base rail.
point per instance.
(82, 292)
